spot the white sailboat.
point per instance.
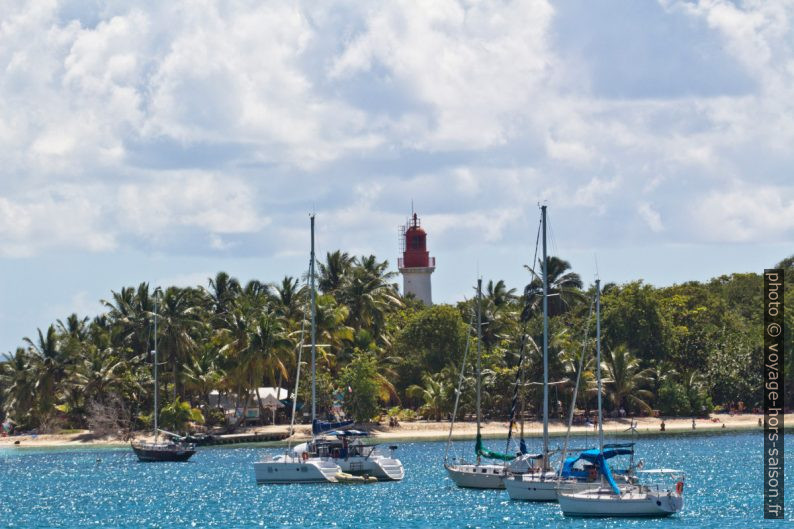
(540, 485)
(608, 498)
(293, 466)
(479, 475)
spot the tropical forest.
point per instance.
(684, 350)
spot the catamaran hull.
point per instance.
(295, 471)
(477, 476)
(383, 468)
(586, 504)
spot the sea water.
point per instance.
(216, 488)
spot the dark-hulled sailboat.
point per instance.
(173, 448)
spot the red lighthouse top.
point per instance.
(415, 254)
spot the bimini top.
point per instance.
(348, 433)
(591, 456)
(319, 427)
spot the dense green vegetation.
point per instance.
(683, 349)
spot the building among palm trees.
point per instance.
(416, 265)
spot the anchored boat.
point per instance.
(479, 474)
(608, 498)
(175, 449)
(293, 466)
(345, 448)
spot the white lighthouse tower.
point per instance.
(416, 265)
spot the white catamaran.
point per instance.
(607, 498)
(344, 448)
(293, 466)
(334, 453)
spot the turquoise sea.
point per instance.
(109, 488)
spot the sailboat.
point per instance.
(295, 466)
(540, 484)
(608, 498)
(479, 475)
(173, 449)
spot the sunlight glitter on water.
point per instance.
(69, 488)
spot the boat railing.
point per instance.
(145, 445)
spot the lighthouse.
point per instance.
(416, 265)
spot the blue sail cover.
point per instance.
(319, 427)
(602, 464)
(619, 445)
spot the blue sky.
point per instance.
(165, 141)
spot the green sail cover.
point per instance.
(490, 454)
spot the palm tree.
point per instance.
(369, 295)
(223, 290)
(498, 293)
(564, 289)
(434, 393)
(256, 350)
(255, 295)
(625, 380)
(497, 318)
(130, 316)
(385, 372)
(333, 330)
(203, 374)
(49, 367)
(18, 382)
(659, 373)
(570, 356)
(177, 324)
(95, 377)
(75, 327)
(332, 273)
(289, 298)
(270, 346)
(234, 338)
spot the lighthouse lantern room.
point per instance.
(416, 265)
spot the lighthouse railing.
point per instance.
(431, 262)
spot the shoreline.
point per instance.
(420, 431)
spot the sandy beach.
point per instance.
(434, 431)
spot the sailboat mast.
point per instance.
(156, 381)
(479, 353)
(314, 326)
(598, 365)
(545, 344)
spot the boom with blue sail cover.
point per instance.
(319, 426)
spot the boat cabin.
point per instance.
(342, 444)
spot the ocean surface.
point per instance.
(109, 488)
